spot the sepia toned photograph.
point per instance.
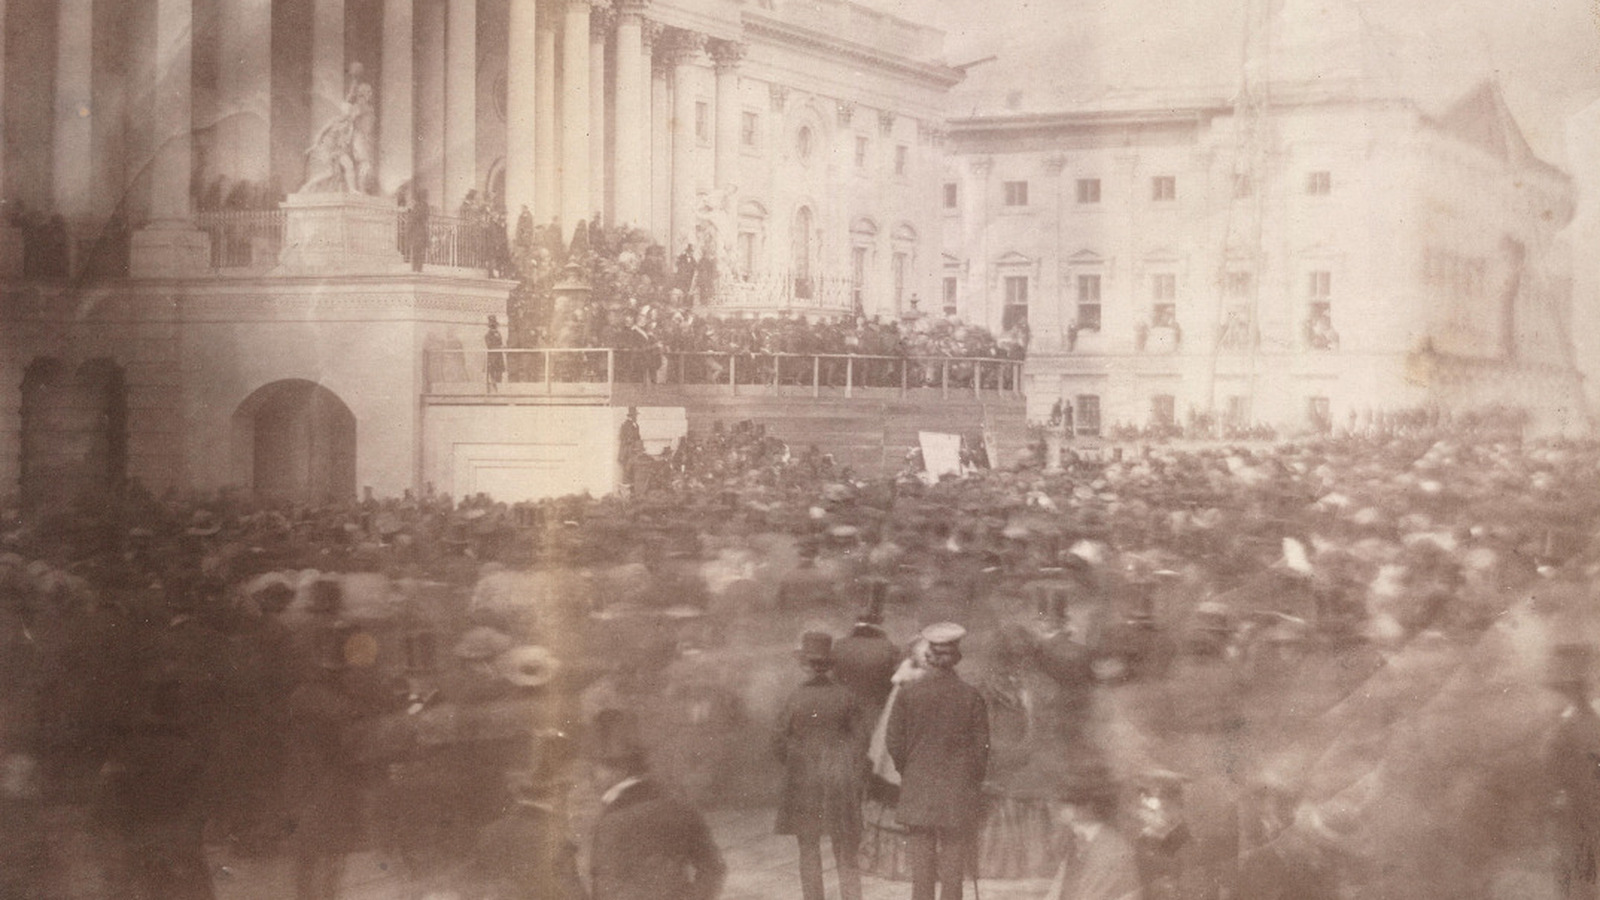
(816, 449)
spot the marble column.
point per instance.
(726, 56)
(687, 47)
(460, 104)
(629, 166)
(396, 102)
(429, 62)
(522, 135)
(244, 91)
(170, 244)
(575, 116)
(657, 149)
(10, 238)
(546, 186)
(601, 21)
(327, 63)
(73, 136)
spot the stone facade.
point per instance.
(1310, 263)
(164, 132)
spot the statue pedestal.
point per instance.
(340, 233)
(168, 250)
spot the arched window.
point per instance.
(801, 236)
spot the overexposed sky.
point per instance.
(1546, 53)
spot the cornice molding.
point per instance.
(938, 75)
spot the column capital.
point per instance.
(886, 122)
(726, 54)
(601, 20)
(846, 110)
(650, 32)
(593, 5)
(779, 96)
(632, 7)
(677, 46)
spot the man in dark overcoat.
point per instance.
(648, 844)
(1571, 753)
(526, 853)
(938, 737)
(864, 660)
(821, 741)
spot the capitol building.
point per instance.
(206, 281)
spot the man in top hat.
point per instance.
(1068, 663)
(647, 844)
(1570, 755)
(821, 740)
(938, 737)
(630, 446)
(865, 659)
(1103, 865)
(495, 364)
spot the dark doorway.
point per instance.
(74, 433)
(301, 443)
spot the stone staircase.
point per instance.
(869, 434)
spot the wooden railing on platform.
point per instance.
(595, 372)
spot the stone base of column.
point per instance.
(168, 250)
(340, 233)
(10, 251)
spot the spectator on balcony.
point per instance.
(688, 267)
(495, 366)
(417, 228)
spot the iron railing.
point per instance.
(243, 238)
(593, 371)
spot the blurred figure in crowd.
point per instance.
(648, 845)
(821, 741)
(938, 736)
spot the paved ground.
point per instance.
(761, 865)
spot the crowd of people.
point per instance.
(1353, 666)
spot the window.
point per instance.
(749, 126)
(702, 121)
(747, 253)
(1237, 412)
(1016, 309)
(1163, 287)
(899, 263)
(1319, 183)
(858, 275)
(1087, 414)
(861, 151)
(1089, 302)
(1319, 412)
(1319, 285)
(1088, 190)
(1163, 301)
(950, 289)
(902, 159)
(802, 142)
(1244, 187)
(1016, 193)
(952, 194)
(1164, 188)
(1238, 285)
(1163, 410)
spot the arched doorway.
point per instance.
(297, 443)
(74, 432)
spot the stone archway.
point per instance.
(74, 432)
(297, 443)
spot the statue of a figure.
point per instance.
(344, 155)
(715, 232)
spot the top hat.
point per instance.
(528, 666)
(815, 647)
(943, 633)
(493, 322)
